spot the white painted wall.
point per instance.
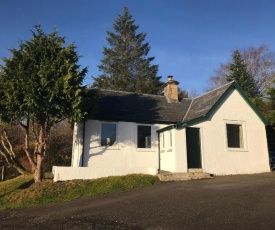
(173, 158)
(120, 159)
(180, 150)
(62, 173)
(125, 158)
(77, 145)
(216, 157)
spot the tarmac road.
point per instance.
(230, 202)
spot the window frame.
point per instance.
(170, 139)
(151, 144)
(161, 142)
(243, 128)
(100, 135)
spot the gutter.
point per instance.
(166, 128)
(159, 150)
(182, 125)
(83, 142)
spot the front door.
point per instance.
(193, 147)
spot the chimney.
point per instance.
(171, 89)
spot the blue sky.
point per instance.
(188, 38)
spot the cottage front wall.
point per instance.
(123, 157)
(217, 158)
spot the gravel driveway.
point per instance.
(230, 202)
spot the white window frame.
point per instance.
(144, 149)
(100, 128)
(161, 141)
(166, 141)
(243, 126)
(170, 139)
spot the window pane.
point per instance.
(108, 134)
(171, 140)
(163, 141)
(234, 136)
(144, 136)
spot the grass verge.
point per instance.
(23, 192)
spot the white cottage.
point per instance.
(220, 132)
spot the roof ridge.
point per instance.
(126, 92)
(188, 110)
(229, 83)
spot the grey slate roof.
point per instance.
(145, 108)
(200, 106)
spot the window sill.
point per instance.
(146, 150)
(166, 150)
(237, 150)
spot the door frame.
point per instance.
(200, 148)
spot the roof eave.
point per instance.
(182, 125)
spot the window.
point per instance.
(108, 134)
(163, 141)
(235, 136)
(171, 139)
(144, 136)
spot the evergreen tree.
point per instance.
(125, 65)
(271, 95)
(239, 73)
(41, 86)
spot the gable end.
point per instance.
(233, 86)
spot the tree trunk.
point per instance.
(3, 173)
(27, 143)
(39, 172)
(40, 155)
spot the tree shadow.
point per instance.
(26, 184)
(22, 186)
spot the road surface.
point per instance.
(230, 202)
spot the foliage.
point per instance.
(271, 96)
(22, 192)
(41, 86)
(266, 107)
(182, 93)
(125, 66)
(260, 63)
(239, 73)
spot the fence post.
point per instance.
(3, 173)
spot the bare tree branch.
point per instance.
(260, 63)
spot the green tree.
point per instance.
(260, 62)
(271, 112)
(239, 73)
(125, 65)
(41, 86)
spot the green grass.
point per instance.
(23, 192)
